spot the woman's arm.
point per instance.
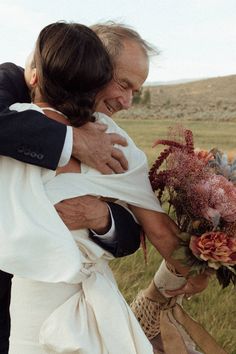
(162, 232)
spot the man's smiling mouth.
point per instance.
(114, 108)
(110, 108)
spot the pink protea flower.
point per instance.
(215, 247)
(218, 197)
(185, 169)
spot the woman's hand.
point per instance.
(192, 286)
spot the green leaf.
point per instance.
(184, 236)
(197, 269)
(231, 269)
(193, 272)
(180, 254)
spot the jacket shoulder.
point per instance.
(12, 84)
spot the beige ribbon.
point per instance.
(172, 340)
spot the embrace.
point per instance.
(69, 181)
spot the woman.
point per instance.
(55, 270)
(86, 313)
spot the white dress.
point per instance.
(64, 296)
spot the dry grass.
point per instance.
(212, 99)
(214, 308)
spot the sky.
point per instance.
(196, 38)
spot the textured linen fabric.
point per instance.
(64, 297)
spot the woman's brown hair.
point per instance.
(72, 66)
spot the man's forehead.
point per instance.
(126, 78)
(131, 72)
(134, 53)
(131, 53)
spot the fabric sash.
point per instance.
(171, 337)
(85, 323)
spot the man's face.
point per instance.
(29, 71)
(130, 72)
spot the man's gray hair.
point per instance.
(114, 34)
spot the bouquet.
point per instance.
(199, 188)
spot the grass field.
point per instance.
(214, 308)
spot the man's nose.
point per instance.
(126, 99)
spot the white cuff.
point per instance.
(110, 236)
(67, 148)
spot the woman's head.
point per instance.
(71, 66)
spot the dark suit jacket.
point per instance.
(31, 137)
(25, 136)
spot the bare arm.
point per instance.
(162, 231)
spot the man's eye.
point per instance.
(123, 85)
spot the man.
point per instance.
(130, 56)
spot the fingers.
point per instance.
(121, 159)
(85, 212)
(117, 139)
(114, 166)
(66, 208)
(94, 147)
(117, 163)
(193, 286)
(100, 126)
(176, 292)
(114, 137)
(105, 170)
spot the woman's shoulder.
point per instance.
(19, 107)
(12, 85)
(103, 118)
(133, 154)
(112, 126)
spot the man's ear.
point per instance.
(33, 77)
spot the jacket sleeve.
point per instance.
(5, 296)
(27, 136)
(127, 233)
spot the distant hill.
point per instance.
(171, 82)
(213, 98)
